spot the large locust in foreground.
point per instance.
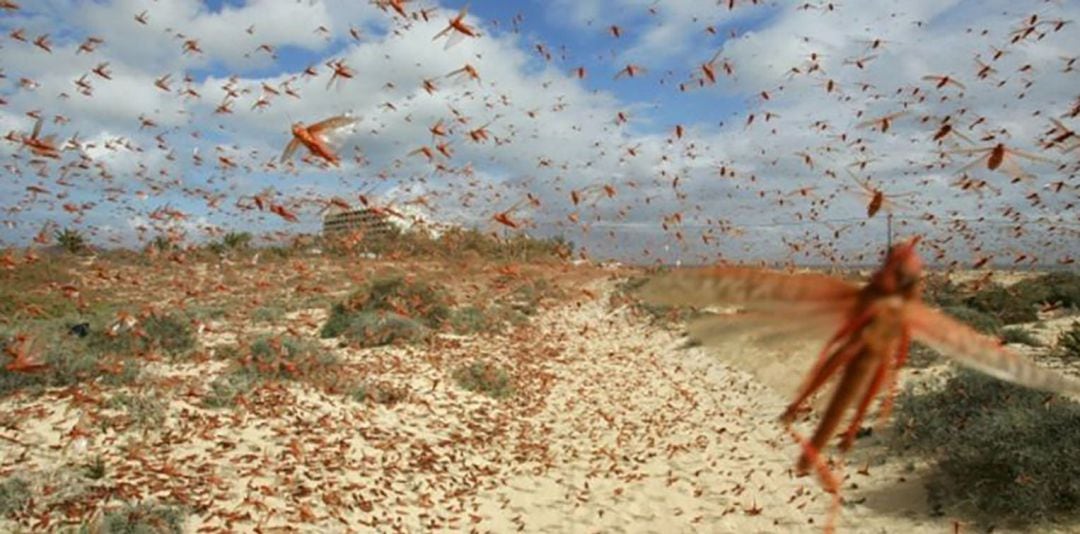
(873, 327)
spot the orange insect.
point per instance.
(21, 361)
(882, 123)
(999, 156)
(878, 323)
(341, 72)
(283, 212)
(942, 81)
(479, 135)
(312, 138)
(503, 217)
(43, 43)
(630, 71)
(878, 198)
(467, 72)
(41, 146)
(456, 29)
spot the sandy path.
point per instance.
(651, 438)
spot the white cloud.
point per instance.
(550, 134)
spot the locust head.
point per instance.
(902, 272)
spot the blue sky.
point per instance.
(751, 177)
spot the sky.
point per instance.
(747, 131)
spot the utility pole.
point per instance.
(888, 230)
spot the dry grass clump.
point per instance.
(476, 319)
(454, 243)
(69, 360)
(1022, 336)
(26, 292)
(383, 393)
(1002, 454)
(1068, 343)
(14, 495)
(1017, 303)
(167, 333)
(270, 313)
(666, 316)
(388, 310)
(486, 378)
(272, 359)
(144, 410)
(140, 518)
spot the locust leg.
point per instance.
(830, 359)
(821, 374)
(854, 381)
(825, 475)
(901, 360)
(880, 376)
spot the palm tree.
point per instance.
(71, 240)
(236, 240)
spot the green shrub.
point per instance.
(667, 316)
(379, 393)
(168, 333)
(941, 292)
(95, 469)
(269, 359)
(1002, 453)
(142, 410)
(473, 319)
(286, 358)
(486, 378)
(68, 360)
(163, 243)
(236, 240)
(373, 329)
(227, 388)
(1019, 335)
(1068, 343)
(268, 314)
(388, 309)
(981, 321)
(14, 494)
(527, 296)
(1009, 305)
(142, 518)
(1053, 288)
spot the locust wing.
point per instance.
(767, 320)
(290, 149)
(971, 349)
(332, 123)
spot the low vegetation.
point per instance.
(667, 316)
(166, 333)
(401, 309)
(1017, 303)
(1002, 454)
(486, 378)
(68, 360)
(383, 393)
(269, 359)
(454, 243)
(388, 310)
(1018, 335)
(14, 494)
(141, 518)
(1068, 343)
